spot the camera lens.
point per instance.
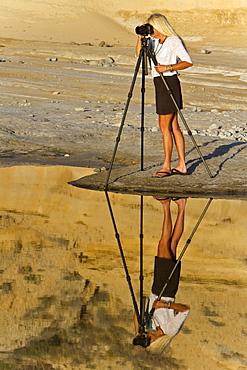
(144, 30)
(141, 340)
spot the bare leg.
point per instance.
(170, 237)
(178, 226)
(164, 245)
(165, 124)
(179, 142)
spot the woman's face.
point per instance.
(156, 34)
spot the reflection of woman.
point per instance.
(171, 56)
(168, 316)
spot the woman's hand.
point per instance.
(161, 68)
(138, 44)
(159, 304)
(175, 306)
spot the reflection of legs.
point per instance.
(178, 226)
(169, 238)
(164, 246)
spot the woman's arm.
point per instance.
(174, 306)
(138, 45)
(173, 67)
(136, 324)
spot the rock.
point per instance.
(53, 59)
(80, 109)
(214, 126)
(212, 132)
(225, 134)
(93, 63)
(100, 169)
(194, 132)
(214, 110)
(109, 60)
(154, 129)
(106, 65)
(205, 51)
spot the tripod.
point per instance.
(143, 319)
(144, 53)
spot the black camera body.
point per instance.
(145, 29)
(142, 340)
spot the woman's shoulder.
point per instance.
(174, 40)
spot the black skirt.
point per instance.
(164, 103)
(162, 269)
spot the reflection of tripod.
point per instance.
(144, 53)
(142, 339)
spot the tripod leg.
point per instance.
(128, 278)
(181, 115)
(141, 277)
(124, 116)
(143, 89)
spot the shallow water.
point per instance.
(65, 301)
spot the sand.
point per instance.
(65, 301)
(68, 112)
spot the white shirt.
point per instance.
(169, 320)
(168, 53)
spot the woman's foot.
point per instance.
(178, 171)
(163, 172)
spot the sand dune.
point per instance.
(114, 22)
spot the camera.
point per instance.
(145, 29)
(141, 340)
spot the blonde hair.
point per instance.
(161, 24)
(159, 345)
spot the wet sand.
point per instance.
(65, 298)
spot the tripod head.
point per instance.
(144, 41)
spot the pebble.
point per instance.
(106, 62)
(100, 169)
(214, 126)
(80, 109)
(52, 59)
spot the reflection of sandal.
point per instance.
(166, 174)
(162, 198)
(177, 172)
(174, 199)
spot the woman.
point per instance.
(171, 56)
(168, 316)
